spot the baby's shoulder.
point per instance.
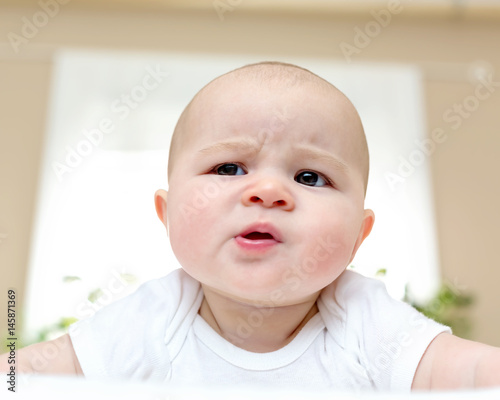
(163, 296)
(155, 301)
(353, 302)
(128, 336)
(353, 286)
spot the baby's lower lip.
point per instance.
(255, 244)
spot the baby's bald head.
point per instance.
(270, 75)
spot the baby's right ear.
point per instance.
(161, 206)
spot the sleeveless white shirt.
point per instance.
(360, 339)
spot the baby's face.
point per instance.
(265, 202)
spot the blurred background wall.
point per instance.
(443, 39)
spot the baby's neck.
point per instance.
(255, 329)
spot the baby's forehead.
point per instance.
(277, 98)
(278, 104)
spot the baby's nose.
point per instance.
(268, 193)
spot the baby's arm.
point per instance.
(454, 363)
(54, 357)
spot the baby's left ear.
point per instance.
(364, 231)
(161, 206)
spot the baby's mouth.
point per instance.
(256, 241)
(258, 236)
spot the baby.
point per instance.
(267, 173)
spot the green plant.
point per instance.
(449, 307)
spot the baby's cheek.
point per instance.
(332, 245)
(190, 232)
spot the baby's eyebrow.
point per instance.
(322, 156)
(248, 147)
(251, 148)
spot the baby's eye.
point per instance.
(310, 178)
(229, 169)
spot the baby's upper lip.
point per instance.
(262, 227)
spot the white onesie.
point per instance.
(360, 339)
